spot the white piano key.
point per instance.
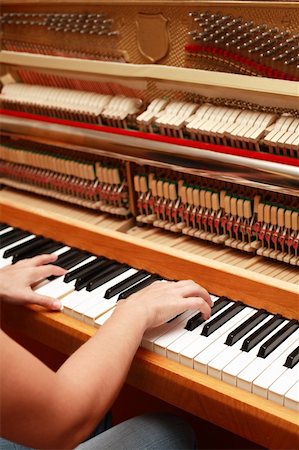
(96, 304)
(173, 350)
(70, 301)
(258, 365)
(61, 250)
(262, 383)
(189, 353)
(231, 371)
(229, 353)
(291, 398)
(6, 230)
(153, 338)
(103, 318)
(58, 288)
(280, 387)
(200, 362)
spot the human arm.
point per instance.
(16, 281)
(60, 410)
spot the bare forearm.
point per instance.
(61, 409)
(101, 366)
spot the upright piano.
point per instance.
(165, 136)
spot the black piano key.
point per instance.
(76, 259)
(42, 248)
(271, 344)
(292, 359)
(257, 336)
(107, 275)
(83, 281)
(125, 284)
(12, 250)
(197, 320)
(83, 270)
(48, 247)
(3, 226)
(67, 256)
(12, 236)
(69, 263)
(235, 335)
(26, 251)
(138, 287)
(216, 323)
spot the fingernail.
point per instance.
(57, 305)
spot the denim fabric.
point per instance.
(147, 432)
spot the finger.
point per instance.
(188, 288)
(50, 303)
(41, 272)
(200, 304)
(38, 260)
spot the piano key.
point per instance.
(70, 263)
(174, 350)
(292, 358)
(227, 355)
(197, 320)
(151, 279)
(5, 261)
(47, 248)
(103, 318)
(213, 349)
(123, 285)
(4, 228)
(12, 236)
(82, 281)
(280, 387)
(188, 354)
(262, 383)
(16, 246)
(57, 288)
(36, 242)
(66, 257)
(256, 337)
(269, 346)
(245, 327)
(232, 369)
(291, 398)
(97, 304)
(8, 232)
(216, 323)
(81, 271)
(107, 275)
(159, 339)
(152, 339)
(258, 365)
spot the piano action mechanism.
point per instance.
(168, 141)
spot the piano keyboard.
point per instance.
(252, 349)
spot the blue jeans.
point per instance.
(146, 432)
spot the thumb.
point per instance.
(50, 303)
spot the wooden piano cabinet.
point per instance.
(240, 412)
(132, 402)
(251, 417)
